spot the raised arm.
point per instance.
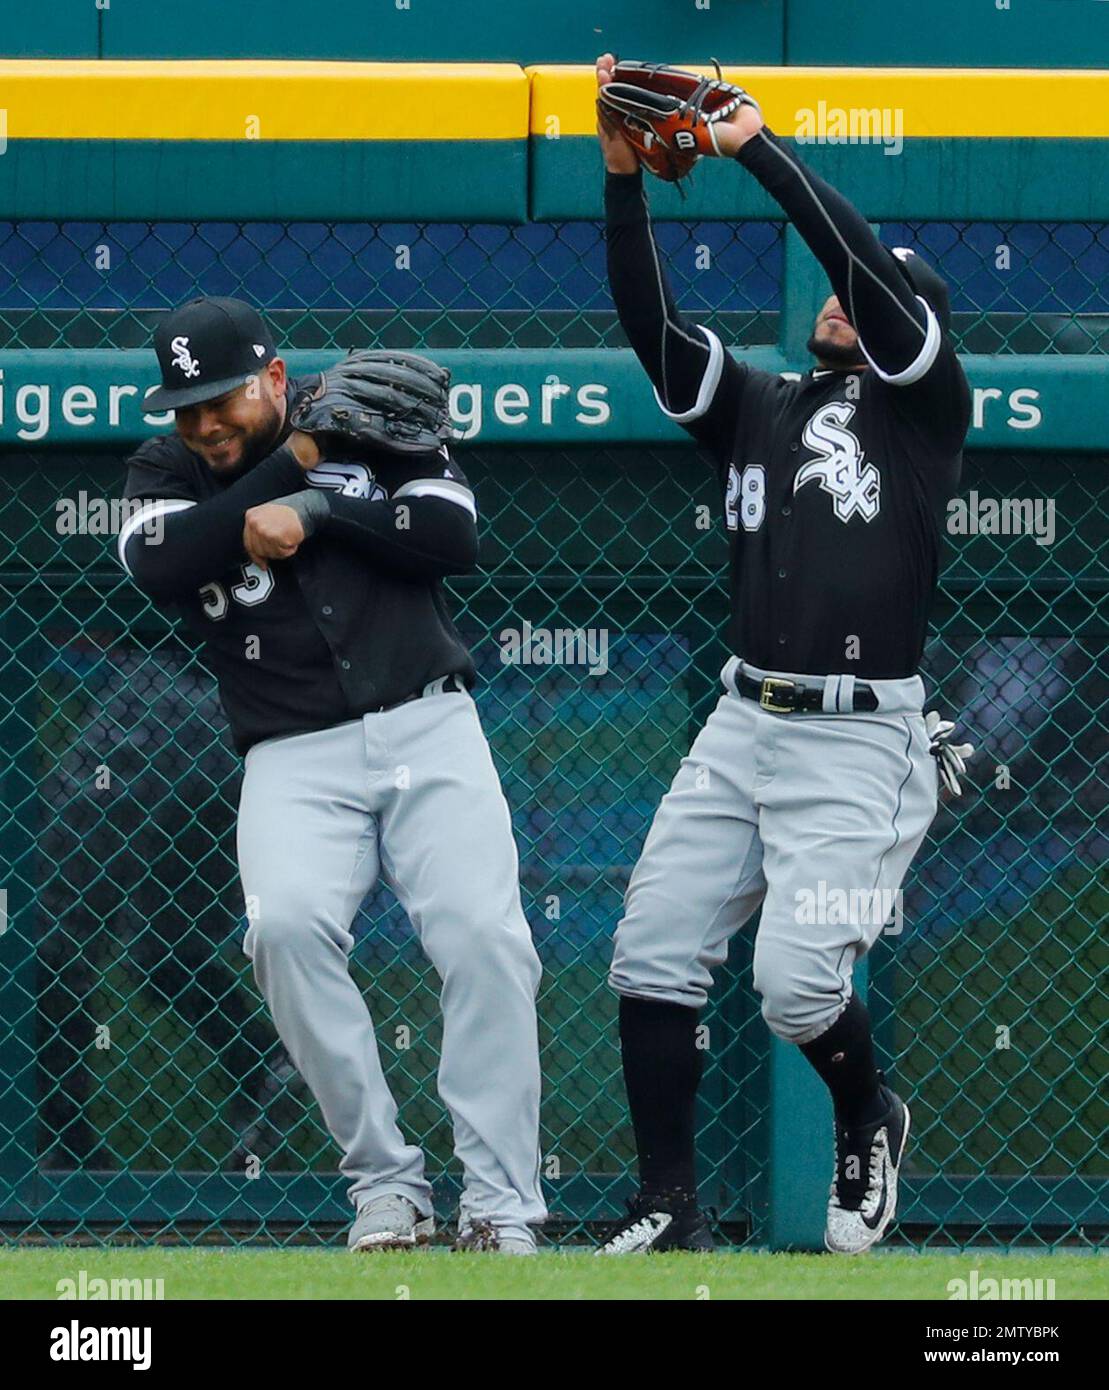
(898, 332)
(684, 361)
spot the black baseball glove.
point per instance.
(379, 399)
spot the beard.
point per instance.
(259, 444)
(834, 354)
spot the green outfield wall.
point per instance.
(57, 398)
(943, 33)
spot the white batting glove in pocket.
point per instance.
(951, 758)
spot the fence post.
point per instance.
(804, 288)
(18, 968)
(801, 1148)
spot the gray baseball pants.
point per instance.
(813, 817)
(411, 795)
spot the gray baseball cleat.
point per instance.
(389, 1222)
(863, 1197)
(483, 1235)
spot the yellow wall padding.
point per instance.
(937, 102)
(263, 101)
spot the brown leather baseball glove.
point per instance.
(668, 115)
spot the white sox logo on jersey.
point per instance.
(183, 358)
(350, 479)
(856, 488)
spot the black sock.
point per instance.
(662, 1069)
(843, 1057)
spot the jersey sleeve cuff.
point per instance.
(709, 382)
(445, 488)
(312, 506)
(924, 360)
(143, 518)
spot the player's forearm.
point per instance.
(418, 538)
(879, 302)
(673, 353)
(193, 546)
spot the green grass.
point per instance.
(438, 1274)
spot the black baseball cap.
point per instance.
(925, 282)
(206, 348)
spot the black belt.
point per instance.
(451, 685)
(782, 696)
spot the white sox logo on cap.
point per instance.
(183, 358)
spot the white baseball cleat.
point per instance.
(863, 1198)
(389, 1222)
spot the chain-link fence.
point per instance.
(1017, 287)
(142, 1072)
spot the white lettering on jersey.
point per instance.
(350, 479)
(745, 497)
(255, 587)
(839, 469)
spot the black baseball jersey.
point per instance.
(355, 621)
(834, 493)
(834, 487)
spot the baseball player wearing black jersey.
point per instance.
(314, 588)
(811, 783)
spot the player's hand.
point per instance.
(271, 532)
(305, 448)
(734, 132)
(619, 156)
